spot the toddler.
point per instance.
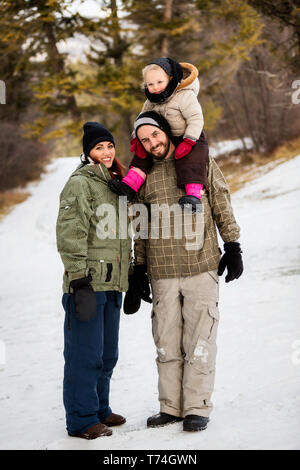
(171, 89)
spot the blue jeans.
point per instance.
(91, 353)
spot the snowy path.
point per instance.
(257, 393)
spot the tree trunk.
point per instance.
(234, 123)
(57, 66)
(264, 97)
(247, 113)
(117, 40)
(167, 18)
(117, 52)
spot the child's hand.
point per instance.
(137, 148)
(184, 148)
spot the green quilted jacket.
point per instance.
(90, 238)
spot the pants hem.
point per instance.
(85, 428)
(103, 416)
(170, 411)
(198, 412)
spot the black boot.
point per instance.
(193, 202)
(162, 419)
(195, 423)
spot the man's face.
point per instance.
(155, 141)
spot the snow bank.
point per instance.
(228, 146)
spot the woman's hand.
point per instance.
(84, 298)
(121, 189)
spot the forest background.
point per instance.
(69, 61)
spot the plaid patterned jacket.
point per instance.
(171, 249)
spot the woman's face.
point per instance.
(103, 152)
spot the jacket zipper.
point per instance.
(120, 248)
(176, 239)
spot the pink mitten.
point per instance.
(184, 148)
(137, 148)
(134, 178)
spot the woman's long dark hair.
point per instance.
(117, 168)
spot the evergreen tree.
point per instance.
(287, 14)
(163, 27)
(34, 28)
(116, 82)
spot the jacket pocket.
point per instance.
(214, 276)
(213, 312)
(94, 268)
(104, 271)
(67, 208)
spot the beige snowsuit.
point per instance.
(182, 109)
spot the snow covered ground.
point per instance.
(257, 392)
(226, 146)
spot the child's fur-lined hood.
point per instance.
(190, 79)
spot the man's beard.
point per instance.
(164, 154)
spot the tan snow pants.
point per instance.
(185, 319)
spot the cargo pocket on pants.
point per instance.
(202, 350)
(154, 322)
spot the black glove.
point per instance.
(139, 289)
(232, 259)
(194, 203)
(132, 301)
(84, 298)
(122, 189)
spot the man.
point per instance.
(184, 281)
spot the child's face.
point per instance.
(103, 152)
(156, 81)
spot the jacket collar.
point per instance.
(99, 170)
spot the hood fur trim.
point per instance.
(190, 73)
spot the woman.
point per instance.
(96, 272)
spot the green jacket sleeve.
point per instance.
(220, 202)
(72, 226)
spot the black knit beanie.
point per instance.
(153, 118)
(174, 70)
(93, 134)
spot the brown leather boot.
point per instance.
(93, 432)
(114, 420)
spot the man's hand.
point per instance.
(139, 289)
(184, 148)
(84, 298)
(191, 203)
(137, 148)
(232, 259)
